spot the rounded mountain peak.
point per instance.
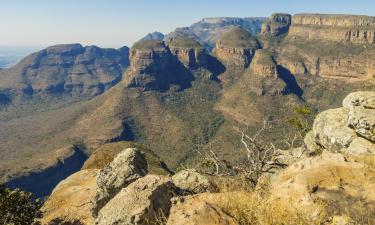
(149, 45)
(185, 42)
(238, 38)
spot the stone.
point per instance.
(70, 201)
(362, 120)
(366, 99)
(190, 181)
(331, 131)
(140, 203)
(194, 211)
(128, 166)
(361, 146)
(311, 146)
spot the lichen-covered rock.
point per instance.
(192, 182)
(331, 131)
(363, 122)
(366, 99)
(236, 48)
(128, 166)
(198, 212)
(140, 203)
(361, 146)
(70, 201)
(277, 24)
(311, 146)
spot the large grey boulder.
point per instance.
(141, 203)
(350, 129)
(331, 131)
(191, 181)
(128, 166)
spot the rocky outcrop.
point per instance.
(142, 202)
(339, 28)
(263, 64)
(344, 184)
(128, 166)
(71, 201)
(349, 129)
(277, 24)
(189, 52)
(194, 211)
(236, 48)
(71, 69)
(190, 181)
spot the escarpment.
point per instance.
(236, 48)
(71, 69)
(277, 24)
(340, 28)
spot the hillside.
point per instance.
(177, 98)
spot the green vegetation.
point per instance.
(17, 207)
(240, 38)
(149, 45)
(184, 42)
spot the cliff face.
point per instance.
(236, 48)
(277, 24)
(72, 69)
(189, 52)
(341, 28)
(330, 46)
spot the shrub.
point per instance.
(17, 207)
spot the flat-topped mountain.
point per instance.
(71, 69)
(236, 47)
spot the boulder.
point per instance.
(128, 166)
(310, 145)
(190, 181)
(331, 131)
(70, 201)
(195, 211)
(363, 122)
(366, 99)
(141, 203)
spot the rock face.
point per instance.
(344, 184)
(128, 166)
(72, 69)
(277, 24)
(340, 28)
(236, 48)
(263, 64)
(190, 181)
(142, 202)
(188, 51)
(209, 30)
(70, 201)
(195, 211)
(349, 129)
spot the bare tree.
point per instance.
(262, 158)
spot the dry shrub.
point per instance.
(250, 208)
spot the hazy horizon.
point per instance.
(116, 23)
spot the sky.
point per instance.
(115, 23)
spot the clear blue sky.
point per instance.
(115, 23)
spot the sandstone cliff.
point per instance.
(236, 48)
(277, 24)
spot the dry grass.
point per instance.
(250, 208)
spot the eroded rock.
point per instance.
(141, 203)
(128, 166)
(191, 181)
